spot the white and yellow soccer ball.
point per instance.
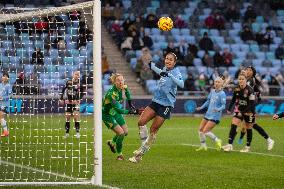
(165, 23)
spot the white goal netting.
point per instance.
(40, 50)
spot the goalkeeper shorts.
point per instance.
(111, 121)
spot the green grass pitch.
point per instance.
(36, 151)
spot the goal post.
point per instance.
(35, 167)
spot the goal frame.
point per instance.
(97, 84)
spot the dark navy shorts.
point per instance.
(215, 121)
(162, 111)
(72, 107)
(246, 118)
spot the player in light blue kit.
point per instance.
(5, 93)
(216, 103)
(162, 103)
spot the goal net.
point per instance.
(40, 51)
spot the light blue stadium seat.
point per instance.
(234, 32)
(280, 12)
(138, 53)
(235, 47)
(10, 29)
(74, 52)
(254, 48)
(51, 68)
(273, 47)
(14, 59)
(28, 68)
(202, 31)
(83, 51)
(147, 30)
(270, 55)
(259, 19)
(200, 53)
(68, 61)
(163, 44)
(71, 45)
(262, 70)
(175, 31)
(185, 31)
(218, 39)
(237, 25)
(188, 11)
(202, 18)
(24, 36)
(155, 31)
(274, 70)
(256, 27)
(260, 55)
(7, 44)
(277, 40)
(202, 69)
(79, 60)
(276, 63)
(214, 32)
(178, 38)
(223, 46)
(133, 62)
(240, 54)
(151, 10)
(237, 62)
(197, 62)
(207, 11)
(232, 70)
(244, 47)
(21, 52)
(189, 39)
(257, 62)
(156, 58)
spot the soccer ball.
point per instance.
(165, 23)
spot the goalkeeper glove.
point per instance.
(133, 111)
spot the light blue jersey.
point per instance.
(216, 103)
(5, 93)
(165, 95)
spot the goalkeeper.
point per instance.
(112, 113)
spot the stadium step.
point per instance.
(118, 63)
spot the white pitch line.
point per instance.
(37, 170)
(257, 153)
(46, 172)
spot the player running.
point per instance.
(73, 91)
(5, 94)
(162, 103)
(112, 113)
(255, 84)
(244, 98)
(216, 103)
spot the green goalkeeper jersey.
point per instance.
(113, 99)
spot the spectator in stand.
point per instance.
(115, 27)
(41, 25)
(182, 48)
(269, 36)
(219, 22)
(210, 21)
(138, 23)
(247, 34)
(34, 85)
(189, 83)
(126, 44)
(170, 48)
(206, 43)
(126, 24)
(151, 21)
(137, 42)
(193, 49)
(19, 87)
(37, 57)
(147, 40)
(228, 57)
(218, 59)
(232, 13)
(259, 37)
(188, 59)
(59, 43)
(265, 87)
(105, 64)
(201, 82)
(274, 87)
(107, 12)
(250, 14)
(82, 40)
(142, 69)
(118, 11)
(207, 60)
(179, 22)
(279, 52)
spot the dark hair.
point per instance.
(6, 74)
(173, 55)
(253, 70)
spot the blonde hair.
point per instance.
(113, 77)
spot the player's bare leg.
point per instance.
(202, 136)
(67, 124)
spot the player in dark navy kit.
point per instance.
(277, 116)
(245, 98)
(255, 84)
(73, 92)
